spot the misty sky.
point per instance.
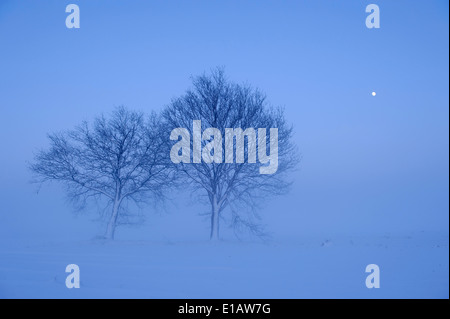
(370, 164)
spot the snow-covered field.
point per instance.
(411, 266)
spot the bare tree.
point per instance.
(233, 187)
(121, 158)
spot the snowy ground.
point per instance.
(412, 266)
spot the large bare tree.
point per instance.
(232, 182)
(120, 158)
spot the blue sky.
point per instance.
(370, 164)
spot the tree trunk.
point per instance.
(214, 220)
(111, 228)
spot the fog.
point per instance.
(370, 165)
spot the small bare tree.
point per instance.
(118, 159)
(228, 181)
